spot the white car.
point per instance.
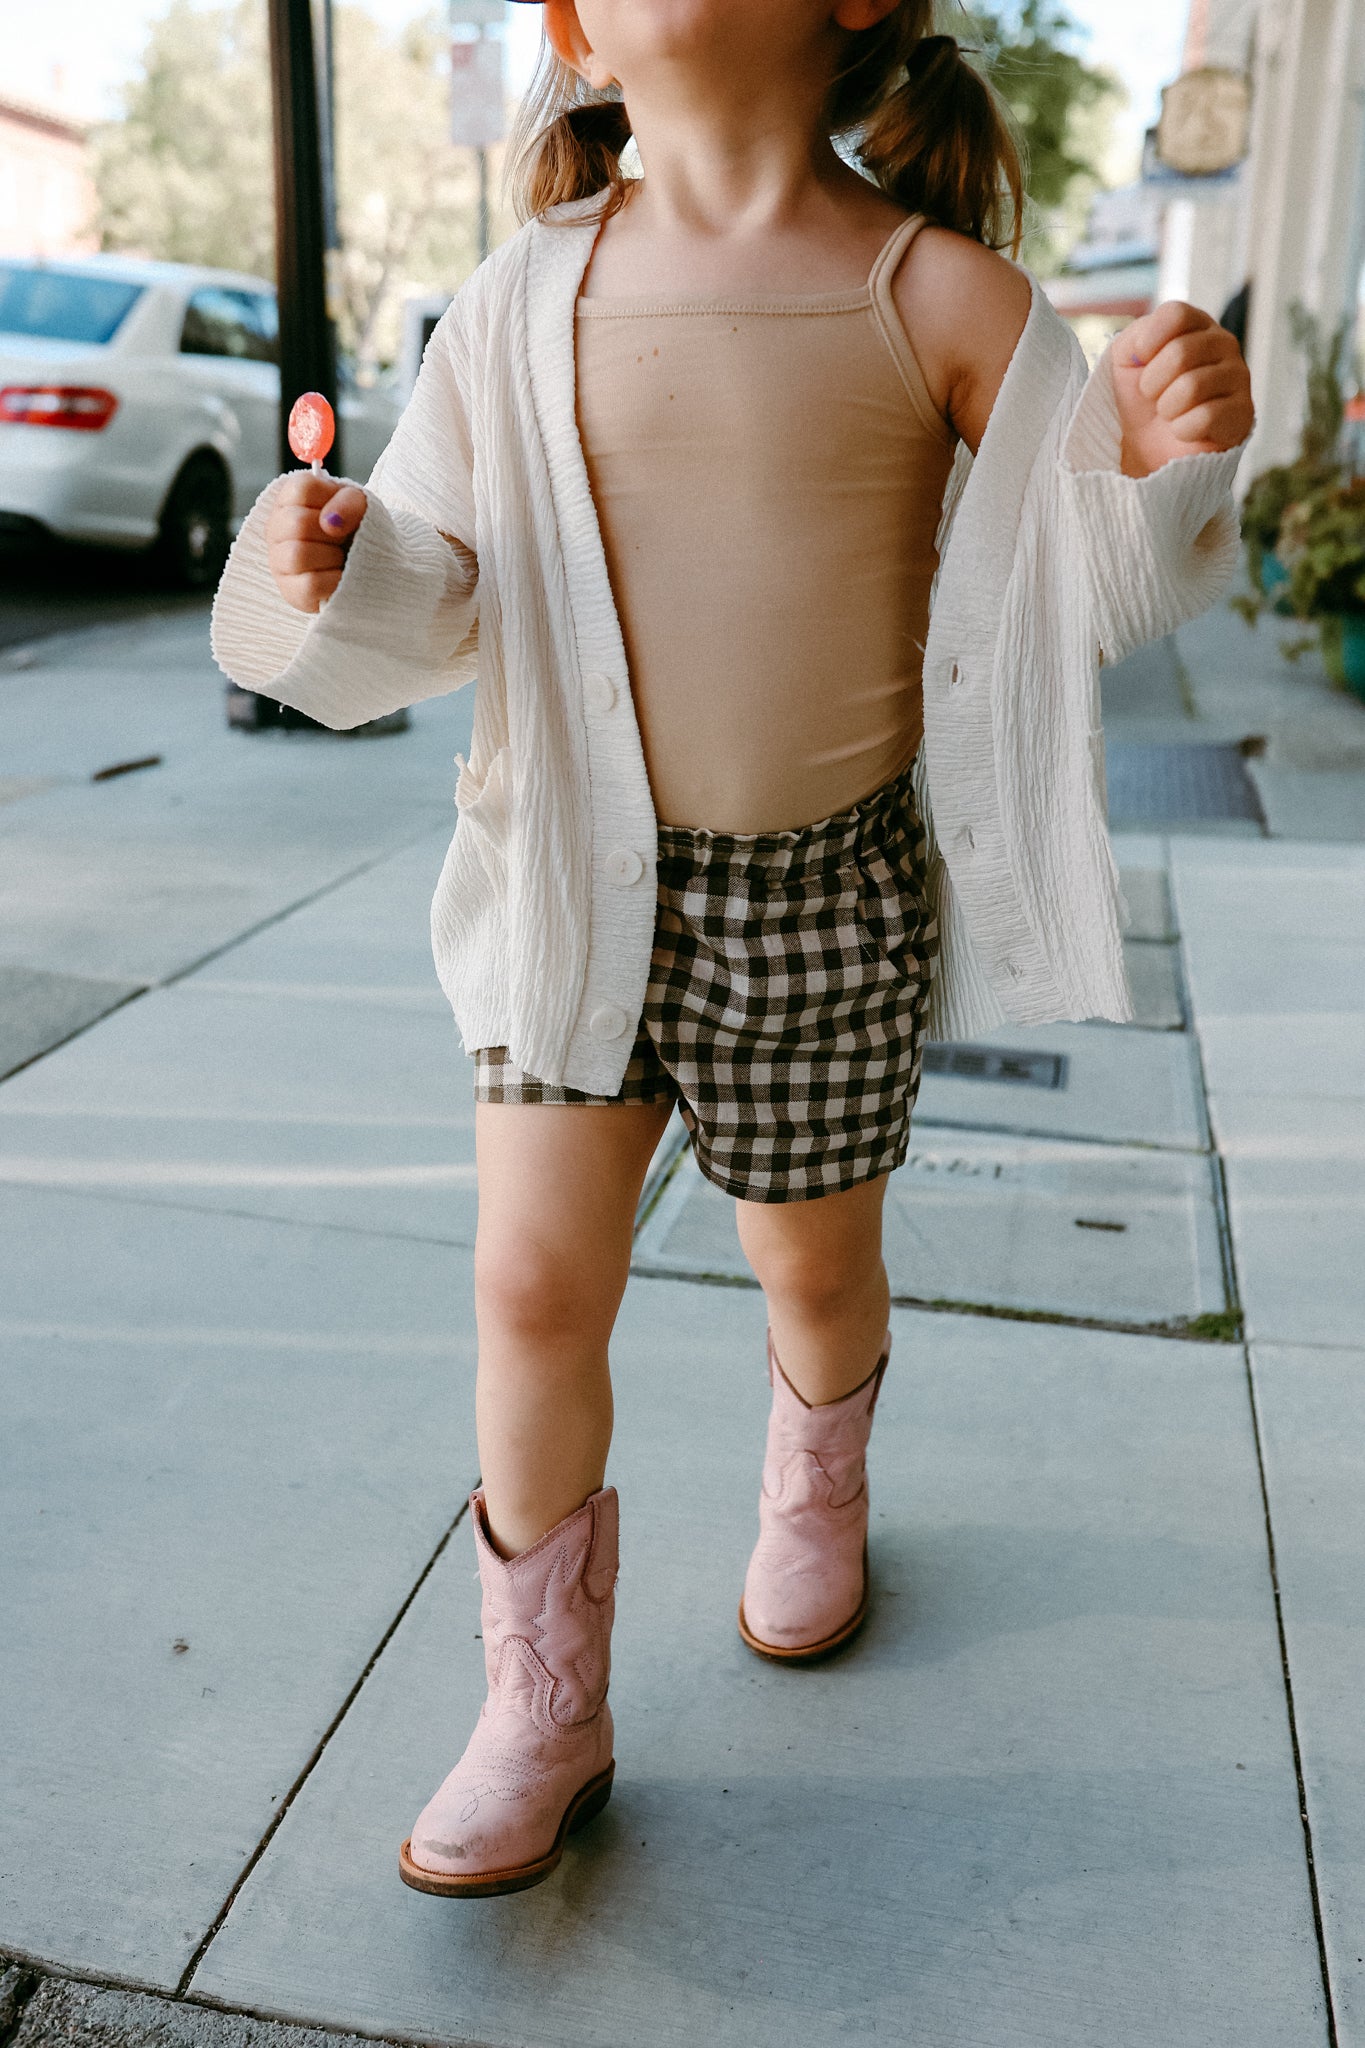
(139, 405)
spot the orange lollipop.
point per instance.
(312, 428)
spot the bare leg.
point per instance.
(558, 1190)
(820, 1265)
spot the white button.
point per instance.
(954, 675)
(623, 866)
(608, 1022)
(968, 837)
(599, 691)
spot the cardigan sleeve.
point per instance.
(1158, 550)
(402, 624)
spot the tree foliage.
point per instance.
(187, 173)
(1062, 105)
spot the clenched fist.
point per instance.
(1182, 388)
(312, 523)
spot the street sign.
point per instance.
(477, 85)
(1205, 125)
(477, 119)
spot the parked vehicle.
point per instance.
(139, 405)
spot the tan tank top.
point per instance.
(768, 475)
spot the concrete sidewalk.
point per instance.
(1095, 1772)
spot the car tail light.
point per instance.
(57, 405)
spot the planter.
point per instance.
(1343, 650)
(1272, 579)
(1271, 572)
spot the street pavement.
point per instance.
(1095, 1770)
(49, 586)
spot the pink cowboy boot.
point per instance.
(539, 1764)
(806, 1588)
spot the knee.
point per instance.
(814, 1290)
(539, 1296)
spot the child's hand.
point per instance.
(1182, 388)
(311, 525)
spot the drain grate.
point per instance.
(1151, 785)
(996, 1063)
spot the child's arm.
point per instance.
(1148, 460)
(349, 623)
(1180, 383)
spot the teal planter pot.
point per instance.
(1343, 651)
(1273, 578)
(1273, 573)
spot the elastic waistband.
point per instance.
(828, 843)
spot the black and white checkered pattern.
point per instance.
(786, 1000)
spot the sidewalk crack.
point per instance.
(138, 992)
(187, 1976)
(1305, 1822)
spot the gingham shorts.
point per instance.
(786, 1000)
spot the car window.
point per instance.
(63, 305)
(267, 324)
(220, 322)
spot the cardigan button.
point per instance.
(623, 866)
(599, 691)
(608, 1022)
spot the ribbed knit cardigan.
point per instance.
(481, 555)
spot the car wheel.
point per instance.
(195, 532)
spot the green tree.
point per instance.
(186, 175)
(1064, 108)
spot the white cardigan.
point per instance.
(543, 918)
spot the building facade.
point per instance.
(1290, 222)
(47, 198)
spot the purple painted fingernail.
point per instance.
(333, 519)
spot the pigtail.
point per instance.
(566, 143)
(941, 144)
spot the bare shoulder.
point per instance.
(964, 308)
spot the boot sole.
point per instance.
(809, 1653)
(487, 1884)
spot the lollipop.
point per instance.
(312, 429)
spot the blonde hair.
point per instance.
(920, 119)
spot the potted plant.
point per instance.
(1269, 498)
(1322, 545)
(1274, 491)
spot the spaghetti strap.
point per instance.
(893, 327)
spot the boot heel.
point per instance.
(591, 1800)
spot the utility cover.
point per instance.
(1157, 784)
(1023, 1068)
(1101, 1232)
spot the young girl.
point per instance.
(671, 482)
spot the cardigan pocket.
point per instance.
(469, 912)
(484, 806)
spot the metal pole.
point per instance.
(327, 124)
(307, 342)
(485, 229)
